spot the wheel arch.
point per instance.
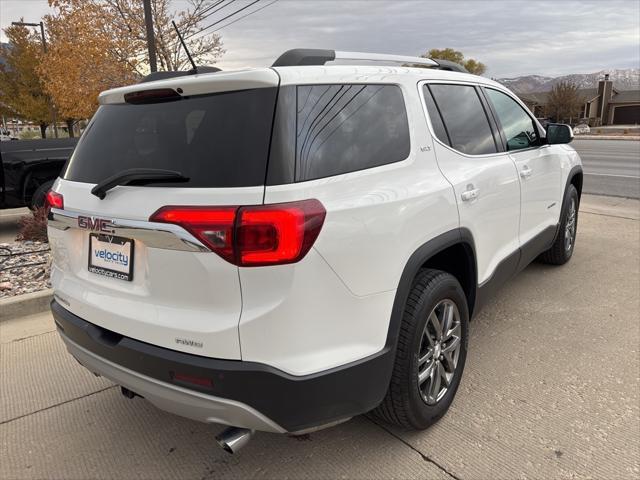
(574, 178)
(452, 252)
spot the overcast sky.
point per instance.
(512, 37)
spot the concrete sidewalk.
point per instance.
(551, 390)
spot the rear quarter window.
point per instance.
(343, 128)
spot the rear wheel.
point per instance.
(431, 352)
(39, 196)
(562, 248)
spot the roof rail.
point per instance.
(316, 56)
(171, 74)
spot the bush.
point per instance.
(29, 135)
(34, 226)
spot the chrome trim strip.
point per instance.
(152, 234)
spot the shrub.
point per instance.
(34, 226)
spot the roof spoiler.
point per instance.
(164, 75)
(315, 56)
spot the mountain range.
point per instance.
(627, 79)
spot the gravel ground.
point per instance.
(24, 267)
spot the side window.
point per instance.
(517, 125)
(464, 119)
(434, 116)
(345, 128)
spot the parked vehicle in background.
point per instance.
(283, 248)
(28, 169)
(581, 129)
(5, 136)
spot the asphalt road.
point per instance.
(611, 167)
(550, 390)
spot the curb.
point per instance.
(606, 137)
(26, 304)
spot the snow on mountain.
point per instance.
(623, 79)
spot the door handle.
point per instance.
(526, 171)
(469, 194)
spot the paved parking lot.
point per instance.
(551, 390)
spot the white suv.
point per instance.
(281, 249)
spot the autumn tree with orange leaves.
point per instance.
(22, 92)
(97, 45)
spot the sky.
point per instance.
(512, 37)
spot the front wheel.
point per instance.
(431, 352)
(562, 249)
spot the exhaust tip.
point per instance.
(232, 439)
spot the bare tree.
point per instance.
(564, 102)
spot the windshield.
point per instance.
(219, 140)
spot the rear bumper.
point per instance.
(243, 394)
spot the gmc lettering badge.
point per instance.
(95, 224)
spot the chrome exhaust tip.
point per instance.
(234, 438)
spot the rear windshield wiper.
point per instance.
(137, 176)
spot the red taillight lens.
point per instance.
(278, 234)
(55, 200)
(213, 226)
(252, 236)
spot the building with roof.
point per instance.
(605, 105)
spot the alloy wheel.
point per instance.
(570, 226)
(439, 351)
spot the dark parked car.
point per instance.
(28, 168)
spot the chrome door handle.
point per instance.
(526, 171)
(469, 194)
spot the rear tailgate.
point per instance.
(156, 282)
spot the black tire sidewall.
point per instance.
(39, 196)
(423, 414)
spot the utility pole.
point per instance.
(54, 115)
(151, 41)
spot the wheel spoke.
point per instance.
(445, 376)
(447, 318)
(433, 318)
(454, 332)
(426, 373)
(429, 339)
(427, 356)
(434, 388)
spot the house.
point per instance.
(605, 105)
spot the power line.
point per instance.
(217, 9)
(245, 15)
(222, 19)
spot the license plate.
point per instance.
(111, 256)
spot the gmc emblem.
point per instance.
(95, 224)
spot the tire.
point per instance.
(38, 198)
(562, 249)
(407, 402)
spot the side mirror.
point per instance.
(559, 133)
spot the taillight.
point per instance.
(55, 200)
(213, 226)
(255, 235)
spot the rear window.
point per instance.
(345, 128)
(219, 140)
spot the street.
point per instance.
(550, 390)
(611, 167)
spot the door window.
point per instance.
(517, 125)
(463, 117)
